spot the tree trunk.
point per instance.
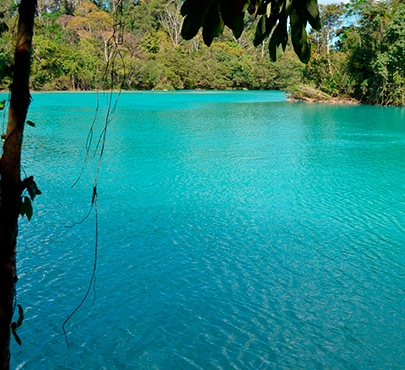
(10, 181)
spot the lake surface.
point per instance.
(236, 231)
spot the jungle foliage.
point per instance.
(73, 44)
(353, 50)
(360, 52)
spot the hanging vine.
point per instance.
(94, 150)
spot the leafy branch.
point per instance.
(213, 15)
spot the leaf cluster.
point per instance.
(32, 189)
(273, 15)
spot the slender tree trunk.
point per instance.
(10, 181)
(328, 49)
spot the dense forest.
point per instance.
(359, 52)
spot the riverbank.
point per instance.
(308, 94)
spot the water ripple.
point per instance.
(230, 236)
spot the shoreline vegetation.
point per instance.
(357, 57)
(309, 94)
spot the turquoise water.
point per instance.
(237, 231)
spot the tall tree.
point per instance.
(375, 47)
(327, 69)
(11, 185)
(170, 20)
(331, 21)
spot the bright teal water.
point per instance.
(237, 230)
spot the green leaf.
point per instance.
(305, 51)
(260, 33)
(232, 18)
(33, 190)
(263, 29)
(30, 123)
(195, 12)
(299, 37)
(187, 7)
(213, 25)
(2, 104)
(20, 315)
(15, 335)
(288, 6)
(278, 41)
(239, 25)
(191, 25)
(296, 28)
(26, 208)
(313, 14)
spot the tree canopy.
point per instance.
(73, 43)
(352, 50)
(357, 53)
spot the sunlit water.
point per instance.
(236, 231)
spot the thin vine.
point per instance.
(97, 153)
